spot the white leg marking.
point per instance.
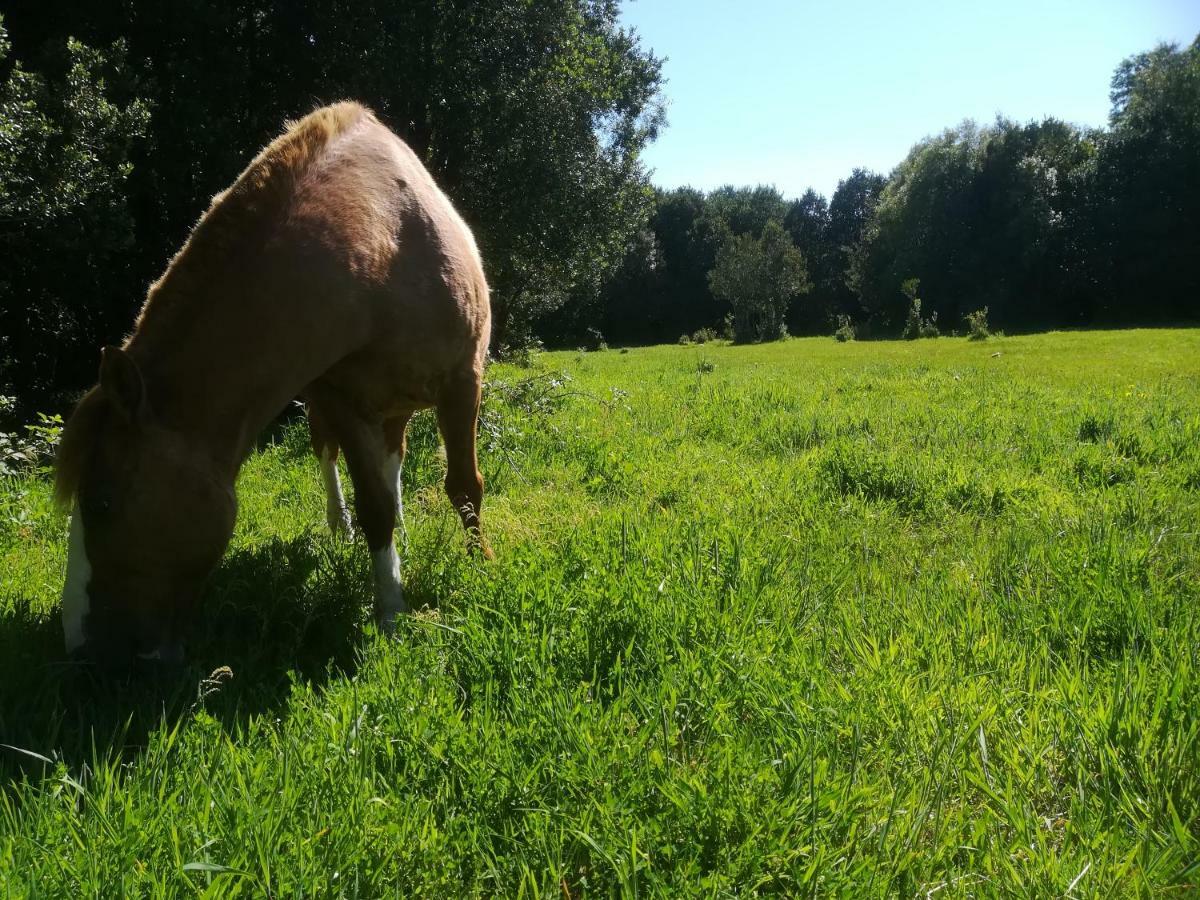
(336, 512)
(389, 592)
(75, 595)
(393, 474)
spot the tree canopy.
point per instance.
(759, 277)
(119, 121)
(531, 116)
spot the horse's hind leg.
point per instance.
(458, 416)
(394, 440)
(325, 446)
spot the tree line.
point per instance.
(119, 121)
(1043, 224)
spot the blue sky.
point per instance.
(798, 93)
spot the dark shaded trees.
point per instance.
(662, 290)
(982, 216)
(1143, 192)
(531, 116)
(807, 221)
(65, 226)
(1048, 225)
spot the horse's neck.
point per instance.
(218, 370)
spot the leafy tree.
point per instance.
(531, 115)
(852, 205)
(982, 216)
(850, 210)
(808, 222)
(758, 277)
(1144, 230)
(662, 290)
(744, 210)
(64, 223)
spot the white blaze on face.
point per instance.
(335, 503)
(75, 594)
(389, 592)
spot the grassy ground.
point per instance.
(809, 618)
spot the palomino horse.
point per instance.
(333, 269)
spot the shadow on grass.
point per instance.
(282, 611)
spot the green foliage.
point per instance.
(32, 450)
(914, 326)
(1141, 230)
(531, 116)
(987, 215)
(664, 290)
(65, 150)
(845, 330)
(1048, 225)
(977, 325)
(851, 620)
(759, 277)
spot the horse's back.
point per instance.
(370, 212)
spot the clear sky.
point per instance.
(797, 94)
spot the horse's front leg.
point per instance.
(325, 446)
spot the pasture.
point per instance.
(808, 618)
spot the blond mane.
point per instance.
(239, 214)
(231, 224)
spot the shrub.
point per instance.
(704, 335)
(594, 339)
(34, 449)
(977, 325)
(914, 326)
(727, 331)
(525, 355)
(65, 150)
(845, 329)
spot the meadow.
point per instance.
(806, 618)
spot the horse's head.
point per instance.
(151, 518)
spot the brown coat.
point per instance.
(333, 268)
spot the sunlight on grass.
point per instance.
(857, 619)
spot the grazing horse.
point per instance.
(333, 269)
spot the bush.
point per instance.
(977, 325)
(525, 355)
(65, 224)
(704, 335)
(914, 326)
(34, 449)
(845, 329)
(594, 339)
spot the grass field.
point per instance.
(913, 619)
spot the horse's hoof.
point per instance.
(338, 518)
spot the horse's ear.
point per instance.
(121, 381)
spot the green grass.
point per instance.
(811, 618)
